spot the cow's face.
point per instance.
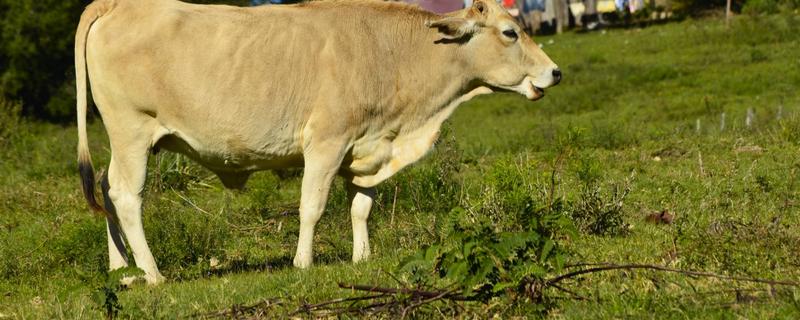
(498, 51)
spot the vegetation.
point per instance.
(36, 48)
(646, 120)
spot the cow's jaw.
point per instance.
(530, 90)
(526, 87)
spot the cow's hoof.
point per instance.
(302, 262)
(138, 280)
(156, 279)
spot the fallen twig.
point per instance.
(449, 295)
(307, 308)
(429, 300)
(236, 310)
(574, 294)
(610, 267)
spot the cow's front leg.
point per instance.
(321, 166)
(361, 203)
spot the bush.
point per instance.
(770, 6)
(37, 44)
(505, 242)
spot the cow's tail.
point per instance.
(89, 16)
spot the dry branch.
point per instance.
(401, 301)
(239, 310)
(449, 295)
(609, 267)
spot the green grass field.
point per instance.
(639, 109)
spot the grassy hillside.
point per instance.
(639, 111)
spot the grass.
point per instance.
(627, 112)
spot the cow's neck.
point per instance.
(422, 105)
(435, 82)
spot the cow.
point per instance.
(354, 88)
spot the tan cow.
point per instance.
(354, 88)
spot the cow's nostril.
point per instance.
(556, 76)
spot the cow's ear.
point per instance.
(454, 27)
(478, 9)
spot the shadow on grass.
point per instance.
(276, 263)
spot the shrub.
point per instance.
(503, 243)
(37, 43)
(9, 120)
(601, 214)
(486, 262)
(770, 6)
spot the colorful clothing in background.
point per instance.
(531, 5)
(439, 6)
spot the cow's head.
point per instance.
(498, 51)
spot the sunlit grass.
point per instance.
(631, 100)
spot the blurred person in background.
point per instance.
(439, 6)
(590, 18)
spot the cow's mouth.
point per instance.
(534, 93)
(538, 93)
(526, 88)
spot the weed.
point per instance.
(597, 213)
(106, 296)
(174, 171)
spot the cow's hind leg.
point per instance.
(117, 252)
(361, 203)
(126, 177)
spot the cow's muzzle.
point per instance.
(556, 76)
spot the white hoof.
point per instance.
(154, 279)
(302, 262)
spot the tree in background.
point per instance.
(36, 43)
(36, 54)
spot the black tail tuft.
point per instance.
(87, 182)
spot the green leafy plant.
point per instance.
(486, 259)
(106, 296)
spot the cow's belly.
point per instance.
(230, 153)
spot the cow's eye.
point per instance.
(510, 33)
